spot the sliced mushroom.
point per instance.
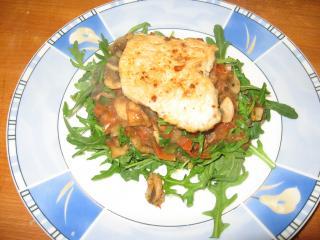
(235, 84)
(114, 60)
(136, 116)
(120, 44)
(112, 67)
(153, 116)
(118, 53)
(112, 79)
(113, 63)
(257, 114)
(120, 104)
(155, 194)
(227, 110)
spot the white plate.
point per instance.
(58, 190)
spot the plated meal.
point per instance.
(154, 100)
(197, 120)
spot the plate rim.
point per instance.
(116, 3)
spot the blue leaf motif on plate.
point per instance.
(248, 36)
(66, 190)
(281, 198)
(65, 205)
(87, 33)
(250, 45)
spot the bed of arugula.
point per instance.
(224, 169)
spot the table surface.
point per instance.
(26, 24)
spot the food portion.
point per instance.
(155, 194)
(171, 77)
(155, 101)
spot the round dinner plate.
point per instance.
(58, 190)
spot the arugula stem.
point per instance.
(262, 156)
(137, 163)
(249, 87)
(218, 224)
(185, 164)
(186, 184)
(144, 165)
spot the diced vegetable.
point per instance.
(160, 153)
(185, 143)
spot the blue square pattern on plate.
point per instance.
(87, 33)
(37, 136)
(113, 227)
(65, 205)
(248, 36)
(281, 198)
(193, 15)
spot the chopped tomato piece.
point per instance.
(162, 154)
(185, 143)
